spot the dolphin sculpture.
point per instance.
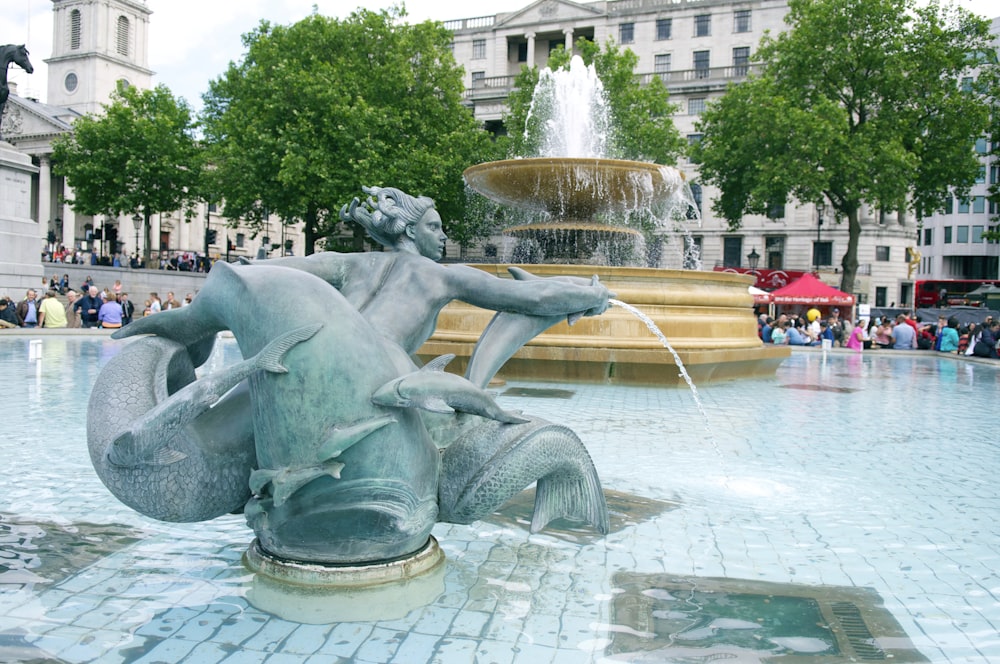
(508, 331)
(432, 389)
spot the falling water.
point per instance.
(677, 358)
(573, 113)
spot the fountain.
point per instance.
(587, 202)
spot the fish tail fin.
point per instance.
(286, 485)
(339, 439)
(269, 358)
(577, 497)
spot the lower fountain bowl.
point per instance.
(706, 316)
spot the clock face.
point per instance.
(70, 82)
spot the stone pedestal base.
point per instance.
(318, 594)
(20, 239)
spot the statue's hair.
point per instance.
(387, 213)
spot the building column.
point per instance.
(45, 198)
(531, 49)
(569, 40)
(68, 219)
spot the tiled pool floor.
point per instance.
(874, 472)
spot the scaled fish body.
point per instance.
(431, 388)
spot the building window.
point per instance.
(240, 240)
(70, 82)
(693, 140)
(979, 204)
(882, 253)
(774, 251)
(701, 64)
(994, 173)
(74, 29)
(962, 237)
(478, 78)
(947, 234)
(522, 52)
(980, 146)
(741, 20)
(696, 106)
(977, 234)
(822, 252)
(213, 207)
(776, 210)
(703, 25)
(967, 84)
(963, 207)
(928, 236)
(732, 251)
(981, 177)
(661, 65)
(741, 60)
(478, 49)
(123, 34)
(880, 295)
(664, 26)
(626, 33)
(949, 205)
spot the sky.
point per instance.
(193, 41)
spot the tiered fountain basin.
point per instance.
(707, 317)
(575, 188)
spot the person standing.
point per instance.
(856, 340)
(904, 337)
(128, 309)
(89, 306)
(27, 310)
(51, 313)
(72, 315)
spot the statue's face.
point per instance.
(428, 235)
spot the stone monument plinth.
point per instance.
(20, 239)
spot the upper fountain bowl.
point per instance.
(575, 188)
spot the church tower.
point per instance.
(97, 45)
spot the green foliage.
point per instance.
(859, 101)
(317, 109)
(139, 156)
(640, 114)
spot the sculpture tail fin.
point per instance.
(269, 358)
(577, 497)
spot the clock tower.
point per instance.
(97, 45)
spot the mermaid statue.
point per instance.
(331, 439)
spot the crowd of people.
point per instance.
(85, 307)
(182, 261)
(904, 332)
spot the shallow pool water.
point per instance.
(844, 475)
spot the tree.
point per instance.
(140, 156)
(860, 101)
(317, 109)
(642, 127)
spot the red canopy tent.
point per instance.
(809, 290)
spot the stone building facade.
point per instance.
(697, 47)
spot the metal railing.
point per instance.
(495, 86)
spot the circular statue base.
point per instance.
(318, 594)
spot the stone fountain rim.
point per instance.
(573, 161)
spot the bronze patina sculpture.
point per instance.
(9, 53)
(337, 446)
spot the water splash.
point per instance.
(654, 328)
(571, 111)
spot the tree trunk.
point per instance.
(310, 231)
(849, 263)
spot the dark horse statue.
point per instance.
(17, 54)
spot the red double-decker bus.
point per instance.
(929, 292)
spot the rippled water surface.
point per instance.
(871, 478)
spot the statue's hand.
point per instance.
(602, 294)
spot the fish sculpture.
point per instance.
(432, 389)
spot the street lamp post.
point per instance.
(753, 259)
(137, 224)
(820, 208)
